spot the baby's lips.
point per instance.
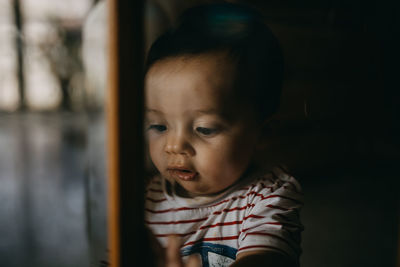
(182, 174)
(181, 167)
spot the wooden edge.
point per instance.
(112, 136)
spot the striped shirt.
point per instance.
(261, 212)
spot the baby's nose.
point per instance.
(178, 145)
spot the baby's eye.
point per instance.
(206, 131)
(158, 127)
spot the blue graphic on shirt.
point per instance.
(212, 255)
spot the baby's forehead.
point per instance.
(209, 74)
(211, 69)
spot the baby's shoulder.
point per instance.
(276, 181)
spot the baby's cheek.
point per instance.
(222, 169)
(209, 165)
(237, 160)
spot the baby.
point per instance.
(212, 85)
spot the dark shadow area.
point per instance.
(339, 125)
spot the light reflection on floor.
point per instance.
(47, 173)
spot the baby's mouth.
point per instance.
(182, 173)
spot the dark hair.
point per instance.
(239, 30)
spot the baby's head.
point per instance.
(210, 85)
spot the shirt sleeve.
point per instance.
(272, 221)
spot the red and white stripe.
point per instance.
(257, 214)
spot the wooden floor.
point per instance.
(51, 189)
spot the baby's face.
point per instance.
(198, 135)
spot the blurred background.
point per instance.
(339, 126)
